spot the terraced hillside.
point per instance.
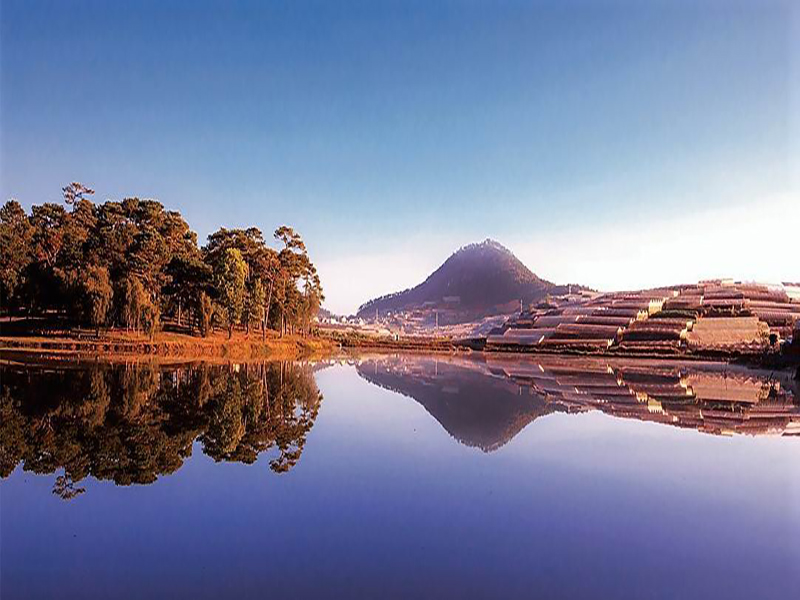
(711, 317)
(709, 397)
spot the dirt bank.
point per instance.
(123, 344)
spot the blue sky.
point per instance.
(592, 138)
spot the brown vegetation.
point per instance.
(133, 264)
(118, 342)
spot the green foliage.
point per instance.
(131, 299)
(48, 222)
(189, 279)
(254, 303)
(295, 306)
(136, 309)
(96, 295)
(15, 240)
(65, 258)
(230, 278)
(75, 192)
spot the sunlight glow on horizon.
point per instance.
(739, 243)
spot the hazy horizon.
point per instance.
(634, 145)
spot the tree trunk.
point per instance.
(283, 308)
(269, 303)
(179, 313)
(230, 330)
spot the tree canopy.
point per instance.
(135, 264)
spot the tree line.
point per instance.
(133, 264)
(133, 424)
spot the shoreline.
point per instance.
(356, 343)
(167, 346)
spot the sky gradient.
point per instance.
(614, 144)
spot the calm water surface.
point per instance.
(399, 477)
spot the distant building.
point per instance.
(793, 291)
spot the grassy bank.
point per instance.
(359, 341)
(168, 344)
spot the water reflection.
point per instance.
(133, 423)
(486, 401)
(382, 503)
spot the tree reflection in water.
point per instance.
(132, 423)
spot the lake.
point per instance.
(397, 477)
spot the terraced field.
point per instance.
(713, 317)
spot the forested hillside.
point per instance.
(134, 264)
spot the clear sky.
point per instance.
(615, 144)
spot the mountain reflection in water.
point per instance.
(380, 502)
(132, 423)
(485, 402)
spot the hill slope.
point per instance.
(478, 279)
(489, 411)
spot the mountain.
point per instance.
(477, 280)
(474, 407)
